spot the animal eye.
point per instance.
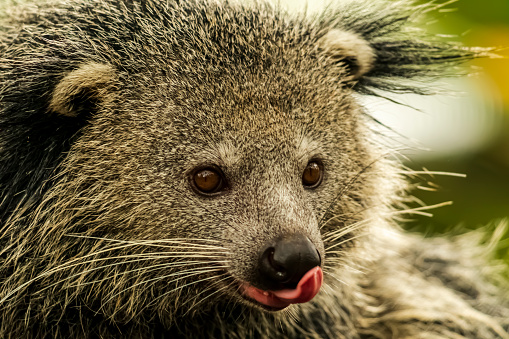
(313, 174)
(208, 180)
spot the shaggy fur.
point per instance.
(108, 106)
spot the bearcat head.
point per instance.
(159, 159)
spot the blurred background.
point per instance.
(465, 131)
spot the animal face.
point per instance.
(252, 178)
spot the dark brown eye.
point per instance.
(208, 180)
(313, 173)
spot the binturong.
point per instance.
(204, 169)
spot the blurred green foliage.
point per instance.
(482, 197)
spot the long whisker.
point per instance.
(338, 260)
(210, 295)
(180, 275)
(79, 261)
(62, 267)
(419, 210)
(155, 242)
(336, 278)
(344, 241)
(350, 215)
(336, 234)
(187, 284)
(145, 269)
(432, 173)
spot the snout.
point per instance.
(288, 272)
(283, 264)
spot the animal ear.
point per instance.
(385, 50)
(350, 49)
(82, 89)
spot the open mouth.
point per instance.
(306, 289)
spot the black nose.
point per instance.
(284, 264)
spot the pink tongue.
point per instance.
(306, 289)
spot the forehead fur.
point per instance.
(231, 54)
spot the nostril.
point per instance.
(270, 268)
(278, 268)
(284, 264)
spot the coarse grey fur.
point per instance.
(107, 107)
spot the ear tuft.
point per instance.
(80, 90)
(349, 48)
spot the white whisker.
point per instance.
(344, 241)
(181, 275)
(144, 269)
